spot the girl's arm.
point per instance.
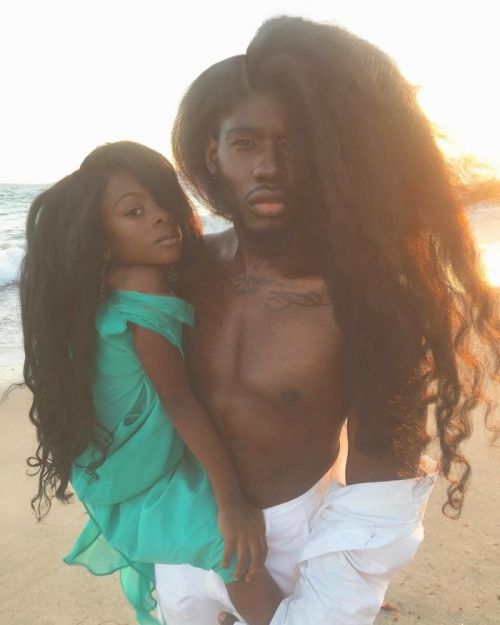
(241, 524)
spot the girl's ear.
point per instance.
(211, 160)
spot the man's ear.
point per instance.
(211, 158)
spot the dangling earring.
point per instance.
(173, 273)
(102, 288)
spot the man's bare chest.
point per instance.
(269, 336)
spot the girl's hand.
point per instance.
(243, 529)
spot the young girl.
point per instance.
(114, 411)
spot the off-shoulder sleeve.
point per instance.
(164, 314)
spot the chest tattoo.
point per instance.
(279, 300)
(249, 284)
(279, 296)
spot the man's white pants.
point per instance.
(191, 596)
(333, 550)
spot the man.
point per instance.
(332, 296)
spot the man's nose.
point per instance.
(270, 165)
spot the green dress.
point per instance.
(152, 501)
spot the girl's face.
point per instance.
(136, 230)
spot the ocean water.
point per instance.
(15, 200)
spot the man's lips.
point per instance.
(268, 203)
(268, 209)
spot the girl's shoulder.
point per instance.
(133, 303)
(164, 314)
(141, 290)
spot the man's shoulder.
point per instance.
(216, 250)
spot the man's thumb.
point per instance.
(227, 619)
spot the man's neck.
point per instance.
(286, 253)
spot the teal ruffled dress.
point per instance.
(152, 501)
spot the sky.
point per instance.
(77, 74)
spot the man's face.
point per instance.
(256, 162)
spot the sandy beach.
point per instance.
(454, 580)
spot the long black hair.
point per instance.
(397, 251)
(60, 289)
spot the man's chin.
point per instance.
(254, 223)
(266, 238)
(267, 227)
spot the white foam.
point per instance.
(10, 260)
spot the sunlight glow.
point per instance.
(77, 74)
(491, 259)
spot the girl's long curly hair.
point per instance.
(419, 319)
(60, 288)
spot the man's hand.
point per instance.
(243, 529)
(225, 618)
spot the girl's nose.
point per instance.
(162, 217)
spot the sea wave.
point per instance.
(10, 261)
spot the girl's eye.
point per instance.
(135, 212)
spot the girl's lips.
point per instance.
(168, 241)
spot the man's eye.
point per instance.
(288, 144)
(135, 212)
(243, 143)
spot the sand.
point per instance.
(454, 580)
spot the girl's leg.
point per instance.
(256, 601)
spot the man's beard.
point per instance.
(266, 239)
(267, 243)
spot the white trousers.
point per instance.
(191, 596)
(333, 550)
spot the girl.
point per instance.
(114, 411)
